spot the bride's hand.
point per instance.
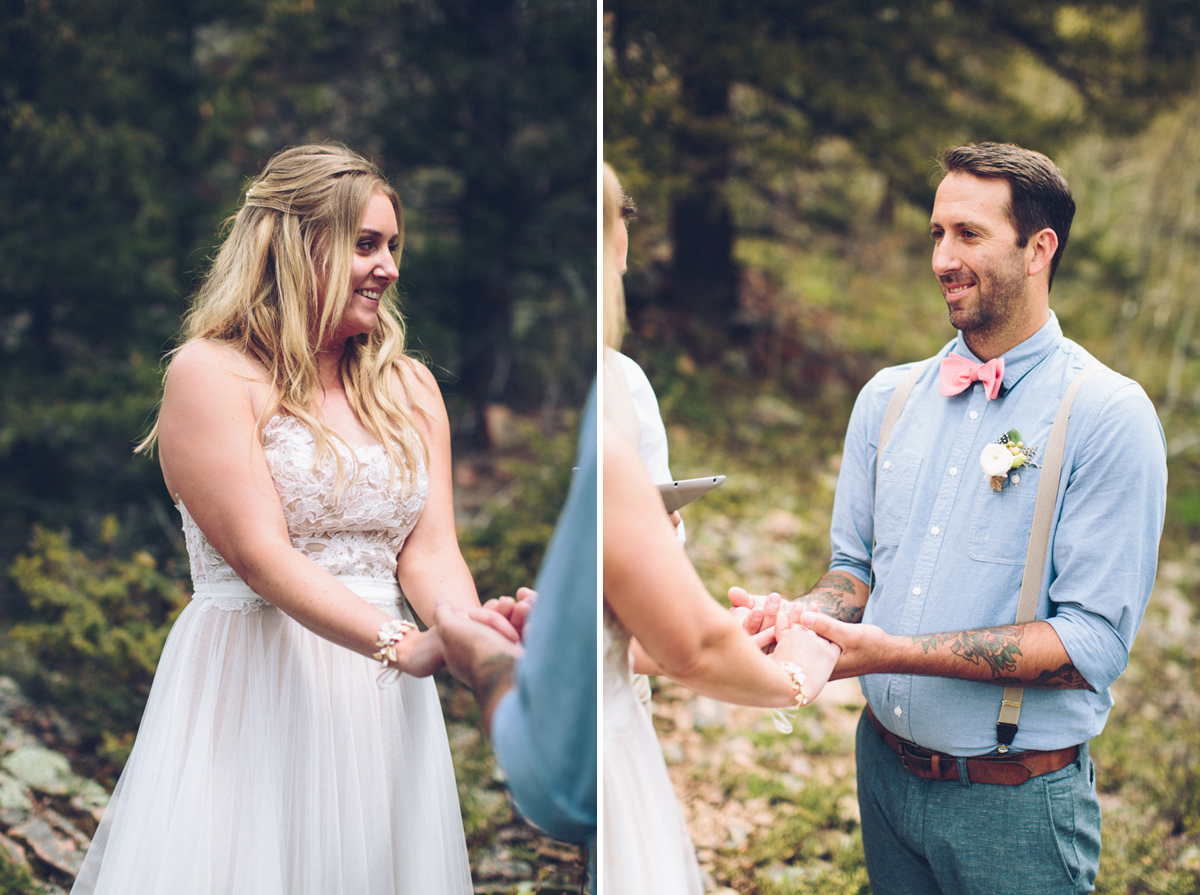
(756, 613)
(420, 653)
(802, 646)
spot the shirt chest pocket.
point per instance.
(897, 477)
(1000, 521)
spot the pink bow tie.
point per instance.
(957, 373)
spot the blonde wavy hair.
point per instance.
(280, 284)
(614, 293)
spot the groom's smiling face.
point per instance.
(982, 271)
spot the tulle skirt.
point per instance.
(268, 762)
(645, 845)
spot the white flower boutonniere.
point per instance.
(1003, 456)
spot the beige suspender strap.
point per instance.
(1039, 540)
(894, 408)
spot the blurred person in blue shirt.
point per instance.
(538, 698)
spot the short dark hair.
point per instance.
(1041, 197)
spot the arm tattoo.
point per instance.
(829, 595)
(1065, 677)
(999, 649)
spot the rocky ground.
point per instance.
(47, 812)
(713, 749)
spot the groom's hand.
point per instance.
(816, 656)
(865, 648)
(497, 621)
(477, 654)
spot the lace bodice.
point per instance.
(358, 532)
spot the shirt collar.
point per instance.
(1022, 358)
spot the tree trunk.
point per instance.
(704, 275)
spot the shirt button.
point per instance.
(953, 470)
(899, 711)
(974, 415)
(935, 530)
(917, 591)
(1016, 479)
(887, 464)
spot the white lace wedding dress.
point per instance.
(268, 762)
(645, 845)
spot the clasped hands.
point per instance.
(474, 638)
(785, 630)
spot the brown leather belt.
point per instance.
(1006, 770)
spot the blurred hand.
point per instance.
(477, 654)
(497, 621)
(469, 637)
(515, 611)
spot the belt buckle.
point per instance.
(907, 756)
(922, 762)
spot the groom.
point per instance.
(928, 557)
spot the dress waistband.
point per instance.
(237, 595)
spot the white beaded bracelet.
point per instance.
(783, 721)
(389, 637)
(798, 681)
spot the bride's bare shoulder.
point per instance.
(418, 387)
(207, 361)
(206, 370)
(415, 374)
(218, 357)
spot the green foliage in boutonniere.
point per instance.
(1002, 456)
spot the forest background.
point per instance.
(128, 131)
(782, 157)
(781, 154)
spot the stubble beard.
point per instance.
(999, 307)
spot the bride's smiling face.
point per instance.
(372, 268)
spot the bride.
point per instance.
(654, 599)
(310, 462)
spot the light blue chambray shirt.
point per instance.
(544, 730)
(950, 551)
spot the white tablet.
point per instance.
(683, 492)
